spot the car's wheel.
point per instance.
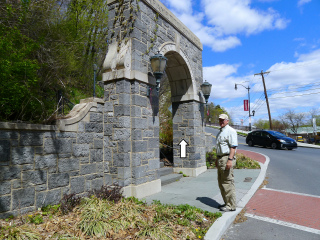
(274, 145)
(250, 143)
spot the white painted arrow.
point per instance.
(183, 148)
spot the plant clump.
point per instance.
(243, 162)
(96, 217)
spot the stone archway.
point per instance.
(131, 123)
(187, 116)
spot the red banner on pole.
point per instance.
(246, 105)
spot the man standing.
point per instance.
(227, 143)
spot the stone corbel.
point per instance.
(117, 64)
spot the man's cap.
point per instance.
(223, 116)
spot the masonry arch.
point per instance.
(180, 75)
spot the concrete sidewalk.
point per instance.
(203, 192)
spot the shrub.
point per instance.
(110, 193)
(68, 202)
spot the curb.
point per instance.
(219, 227)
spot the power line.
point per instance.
(295, 95)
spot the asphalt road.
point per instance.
(295, 171)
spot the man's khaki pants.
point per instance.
(226, 182)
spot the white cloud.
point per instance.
(302, 2)
(237, 16)
(221, 21)
(294, 85)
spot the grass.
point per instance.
(243, 162)
(97, 218)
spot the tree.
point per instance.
(46, 46)
(293, 120)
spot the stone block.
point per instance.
(96, 117)
(124, 146)
(58, 180)
(108, 129)
(139, 100)
(93, 127)
(107, 179)
(58, 146)
(96, 183)
(121, 160)
(136, 111)
(81, 150)
(124, 99)
(148, 134)
(136, 44)
(124, 173)
(139, 172)
(139, 146)
(85, 138)
(5, 188)
(139, 123)
(137, 134)
(22, 155)
(46, 162)
(147, 155)
(108, 107)
(68, 165)
(123, 86)
(153, 143)
(154, 164)
(31, 139)
(10, 173)
(46, 198)
(136, 159)
(31, 178)
(88, 169)
(121, 110)
(123, 122)
(121, 134)
(96, 155)
(98, 143)
(77, 185)
(22, 198)
(8, 135)
(5, 203)
(4, 151)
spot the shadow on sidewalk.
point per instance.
(209, 202)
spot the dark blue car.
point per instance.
(271, 139)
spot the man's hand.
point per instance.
(229, 165)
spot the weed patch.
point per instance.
(243, 162)
(100, 217)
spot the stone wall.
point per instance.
(39, 164)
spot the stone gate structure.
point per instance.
(114, 139)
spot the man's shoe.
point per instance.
(221, 205)
(226, 209)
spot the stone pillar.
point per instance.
(131, 138)
(188, 125)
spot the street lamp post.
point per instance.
(206, 90)
(253, 112)
(158, 66)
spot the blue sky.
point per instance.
(243, 37)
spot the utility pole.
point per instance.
(266, 95)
